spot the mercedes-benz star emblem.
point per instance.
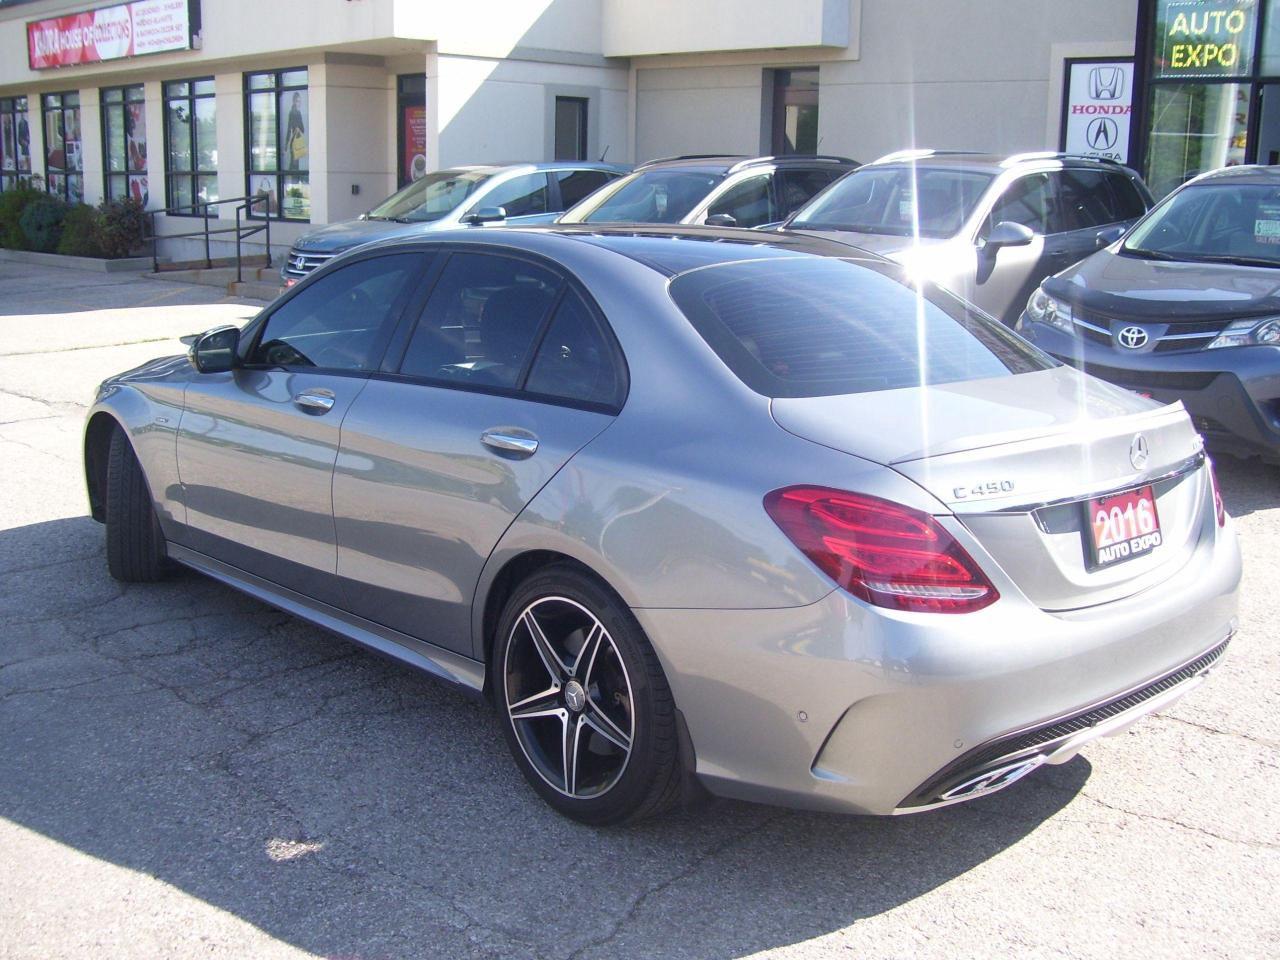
(575, 697)
(1138, 452)
(1102, 134)
(1132, 338)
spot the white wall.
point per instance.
(974, 74)
(633, 29)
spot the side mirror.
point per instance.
(1006, 233)
(485, 215)
(721, 220)
(215, 350)
(1110, 235)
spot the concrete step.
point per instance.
(220, 276)
(255, 289)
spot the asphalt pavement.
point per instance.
(187, 772)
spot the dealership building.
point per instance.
(322, 107)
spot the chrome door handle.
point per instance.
(506, 441)
(314, 402)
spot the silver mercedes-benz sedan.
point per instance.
(690, 507)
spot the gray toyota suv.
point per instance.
(514, 193)
(1186, 307)
(988, 228)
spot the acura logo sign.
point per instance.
(1132, 338)
(1106, 83)
(1102, 133)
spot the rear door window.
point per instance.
(575, 360)
(813, 327)
(481, 322)
(576, 185)
(1128, 201)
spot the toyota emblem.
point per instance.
(1138, 452)
(1132, 338)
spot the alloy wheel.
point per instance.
(569, 697)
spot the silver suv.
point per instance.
(988, 228)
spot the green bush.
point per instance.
(82, 232)
(12, 203)
(41, 223)
(122, 227)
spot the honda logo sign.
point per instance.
(1097, 106)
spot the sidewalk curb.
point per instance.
(91, 264)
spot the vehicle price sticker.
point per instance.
(1122, 526)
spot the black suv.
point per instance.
(1186, 307)
(723, 191)
(988, 228)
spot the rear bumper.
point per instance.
(844, 707)
(1233, 395)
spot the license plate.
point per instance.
(1122, 526)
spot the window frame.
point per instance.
(194, 173)
(61, 110)
(583, 105)
(412, 315)
(9, 107)
(731, 183)
(126, 98)
(278, 91)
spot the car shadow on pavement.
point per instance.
(353, 808)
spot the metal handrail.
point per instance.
(201, 209)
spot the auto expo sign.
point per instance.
(109, 33)
(1195, 38)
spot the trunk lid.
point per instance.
(1016, 460)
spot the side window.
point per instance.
(799, 186)
(1129, 204)
(750, 203)
(1026, 201)
(575, 361)
(520, 197)
(1083, 201)
(575, 185)
(344, 320)
(481, 321)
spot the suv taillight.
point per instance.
(881, 552)
(1219, 508)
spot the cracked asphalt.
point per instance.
(187, 772)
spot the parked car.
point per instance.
(518, 193)
(989, 228)
(1186, 307)
(723, 191)
(688, 505)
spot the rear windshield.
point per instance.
(820, 327)
(895, 200)
(656, 196)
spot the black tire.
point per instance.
(135, 545)
(650, 779)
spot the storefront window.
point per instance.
(15, 142)
(278, 157)
(63, 151)
(1195, 127)
(1271, 40)
(191, 145)
(124, 143)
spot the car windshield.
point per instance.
(893, 200)
(818, 327)
(431, 197)
(654, 196)
(1211, 222)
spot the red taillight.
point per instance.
(881, 552)
(1219, 508)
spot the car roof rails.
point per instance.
(689, 156)
(792, 158)
(1017, 158)
(900, 156)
